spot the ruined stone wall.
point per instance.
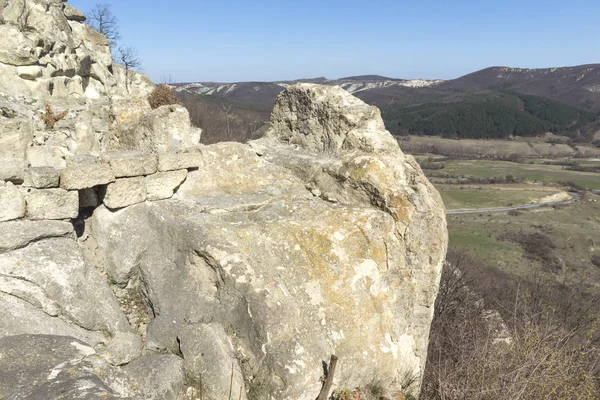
(117, 180)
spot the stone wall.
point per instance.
(117, 180)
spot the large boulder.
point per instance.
(330, 241)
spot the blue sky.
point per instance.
(235, 40)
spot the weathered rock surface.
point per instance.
(125, 192)
(41, 177)
(160, 376)
(86, 176)
(176, 161)
(12, 203)
(127, 164)
(49, 56)
(12, 170)
(162, 185)
(17, 234)
(52, 204)
(286, 258)
(59, 367)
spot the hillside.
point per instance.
(578, 86)
(491, 103)
(496, 115)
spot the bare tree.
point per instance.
(128, 57)
(104, 21)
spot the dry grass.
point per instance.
(552, 349)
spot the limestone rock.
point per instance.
(327, 119)
(175, 161)
(30, 72)
(133, 163)
(207, 351)
(86, 176)
(125, 192)
(52, 204)
(331, 246)
(15, 48)
(165, 129)
(17, 234)
(41, 177)
(47, 156)
(47, 288)
(12, 203)
(161, 376)
(55, 367)
(13, 170)
(73, 14)
(162, 185)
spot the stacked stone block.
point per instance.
(117, 180)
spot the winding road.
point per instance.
(574, 198)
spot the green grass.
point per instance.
(455, 199)
(528, 172)
(575, 229)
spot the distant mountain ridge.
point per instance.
(484, 95)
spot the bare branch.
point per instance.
(104, 21)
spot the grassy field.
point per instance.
(520, 147)
(528, 172)
(490, 196)
(573, 229)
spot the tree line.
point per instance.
(487, 117)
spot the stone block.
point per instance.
(162, 185)
(78, 160)
(12, 203)
(125, 192)
(175, 161)
(29, 72)
(128, 164)
(53, 204)
(13, 170)
(41, 177)
(46, 156)
(86, 176)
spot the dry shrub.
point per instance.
(537, 246)
(552, 352)
(162, 95)
(49, 118)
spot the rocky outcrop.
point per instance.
(282, 254)
(137, 264)
(49, 56)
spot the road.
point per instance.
(574, 197)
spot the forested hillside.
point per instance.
(495, 115)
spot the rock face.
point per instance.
(49, 56)
(331, 245)
(182, 271)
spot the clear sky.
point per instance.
(264, 40)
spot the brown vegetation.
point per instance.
(543, 343)
(162, 95)
(222, 122)
(49, 118)
(537, 246)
